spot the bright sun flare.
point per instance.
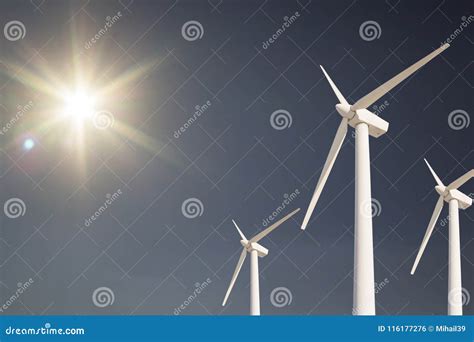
(79, 105)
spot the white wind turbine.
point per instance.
(456, 200)
(365, 123)
(256, 250)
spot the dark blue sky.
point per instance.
(228, 158)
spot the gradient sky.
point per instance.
(150, 79)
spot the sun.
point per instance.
(79, 105)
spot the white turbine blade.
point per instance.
(236, 273)
(339, 95)
(435, 176)
(333, 152)
(461, 180)
(267, 231)
(429, 230)
(376, 94)
(240, 232)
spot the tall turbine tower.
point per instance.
(456, 200)
(256, 250)
(365, 123)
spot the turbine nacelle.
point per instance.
(464, 200)
(377, 126)
(253, 246)
(449, 194)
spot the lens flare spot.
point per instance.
(28, 144)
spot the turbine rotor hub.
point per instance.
(345, 110)
(441, 190)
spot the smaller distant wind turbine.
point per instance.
(256, 250)
(456, 200)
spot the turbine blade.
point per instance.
(333, 152)
(339, 95)
(240, 232)
(461, 180)
(435, 176)
(429, 230)
(377, 93)
(267, 231)
(236, 273)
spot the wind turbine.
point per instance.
(365, 123)
(256, 250)
(456, 200)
